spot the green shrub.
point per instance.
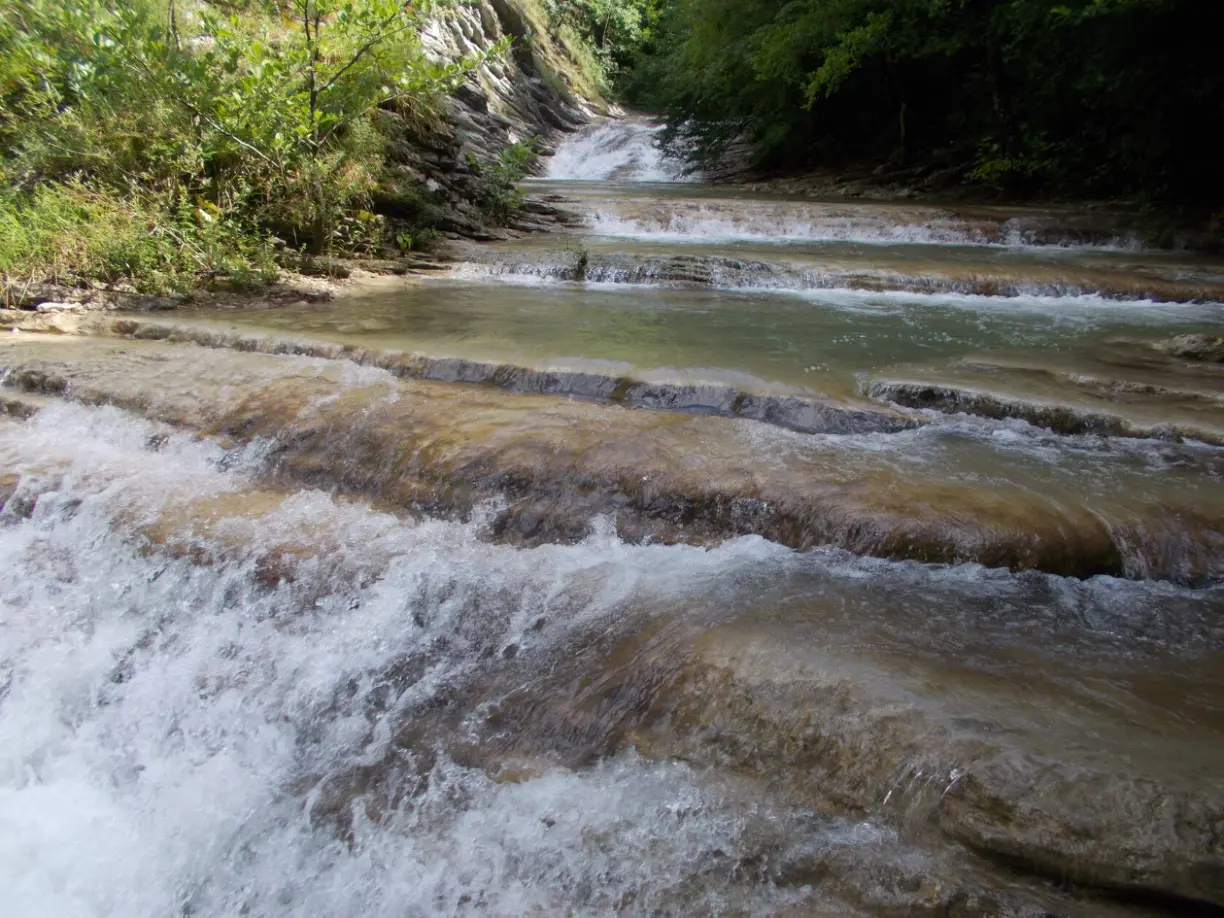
(161, 142)
(500, 197)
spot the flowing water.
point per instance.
(725, 555)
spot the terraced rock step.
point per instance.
(844, 774)
(672, 477)
(696, 212)
(1127, 390)
(804, 414)
(795, 270)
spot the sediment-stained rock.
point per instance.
(1122, 392)
(822, 733)
(1195, 347)
(558, 464)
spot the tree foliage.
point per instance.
(262, 115)
(1084, 97)
(614, 28)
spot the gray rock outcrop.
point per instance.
(534, 91)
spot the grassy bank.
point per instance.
(166, 145)
(71, 233)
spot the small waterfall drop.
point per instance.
(615, 151)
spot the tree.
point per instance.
(1081, 97)
(288, 101)
(613, 27)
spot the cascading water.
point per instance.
(616, 151)
(791, 558)
(177, 738)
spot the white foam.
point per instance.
(708, 224)
(1068, 302)
(705, 223)
(1077, 306)
(164, 727)
(623, 151)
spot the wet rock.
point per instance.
(892, 879)
(754, 706)
(16, 503)
(38, 381)
(813, 729)
(8, 487)
(20, 405)
(28, 297)
(809, 416)
(1061, 419)
(323, 267)
(149, 303)
(1194, 347)
(60, 307)
(660, 396)
(664, 476)
(387, 265)
(54, 323)
(1093, 828)
(1065, 403)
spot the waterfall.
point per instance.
(615, 151)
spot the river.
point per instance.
(731, 553)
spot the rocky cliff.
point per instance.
(543, 87)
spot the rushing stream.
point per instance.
(730, 554)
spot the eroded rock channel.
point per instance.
(529, 592)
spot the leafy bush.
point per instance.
(500, 198)
(262, 114)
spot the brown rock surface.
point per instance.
(560, 463)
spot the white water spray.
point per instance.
(615, 151)
(167, 730)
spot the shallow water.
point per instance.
(165, 726)
(172, 733)
(817, 342)
(286, 629)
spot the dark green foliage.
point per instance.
(1078, 97)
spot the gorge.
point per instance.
(724, 553)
